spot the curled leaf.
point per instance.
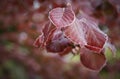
(46, 33)
(95, 38)
(85, 32)
(62, 17)
(47, 30)
(75, 33)
(57, 42)
(39, 41)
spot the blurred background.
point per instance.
(21, 22)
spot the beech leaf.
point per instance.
(91, 60)
(48, 27)
(57, 42)
(86, 33)
(75, 33)
(46, 33)
(95, 38)
(62, 17)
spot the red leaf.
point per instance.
(48, 30)
(54, 40)
(66, 51)
(39, 41)
(62, 17)
(95, 38)
(85, 32)
(92, 60)
(46, 33)
(75, 33)
(57, 42)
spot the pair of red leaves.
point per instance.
(65, 31)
